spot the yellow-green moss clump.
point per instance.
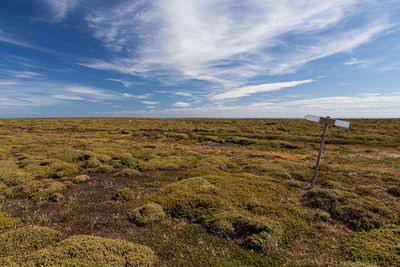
(379, 246)
(226, 208)
(358, 212)
(148, 214)
(56, 197)
(27, 239)
(125, 194)
(81, 178)
(49, 188)
(7, 222)
(85, 250)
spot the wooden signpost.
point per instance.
(327, 122)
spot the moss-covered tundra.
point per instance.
(27, 239)
(7, 222)
(378, 246)
(83, 250)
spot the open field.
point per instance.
(198, 192)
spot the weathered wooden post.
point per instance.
(327, 122)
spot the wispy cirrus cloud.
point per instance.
(24, 74)
(227, 43)
(248, 90)
(181, 104)
(371, 105)
(123, 82)
(143, 96)
(12, 39)
(150, 102)
(8, 82)
(183, 94)
(60, 8)
(68, 97)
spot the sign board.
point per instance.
(329, 121)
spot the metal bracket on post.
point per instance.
(327, 122)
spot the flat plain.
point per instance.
(198, 192)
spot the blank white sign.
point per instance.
(312, 118)
(340, 123)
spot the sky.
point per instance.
(208, 58)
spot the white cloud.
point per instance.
(252, 89)
(68, 97)
(228, 42)
(181, 104)
(144, 96)
(378, 106)
(8, 82)
(60, 8)
(95, 93)
(24, 74)
(150, 102)
(9, 38)
(124, 83)
(183, 94)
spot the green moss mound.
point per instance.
(357, 212)
(81, 178)
(56, 197)
(148, 214)
(85, 250)
(7, 222)
(379, 246)
(125, 194)
(27, 239)
(226, 208)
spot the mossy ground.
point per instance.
(233, 190)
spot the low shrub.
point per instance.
(378, 246)
(26, 240)
(82, 250)
(148, 214)
(125, 194)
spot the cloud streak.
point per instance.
(375, 105)
(227, 43)
(248, 90)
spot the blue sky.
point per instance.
(209, 58)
